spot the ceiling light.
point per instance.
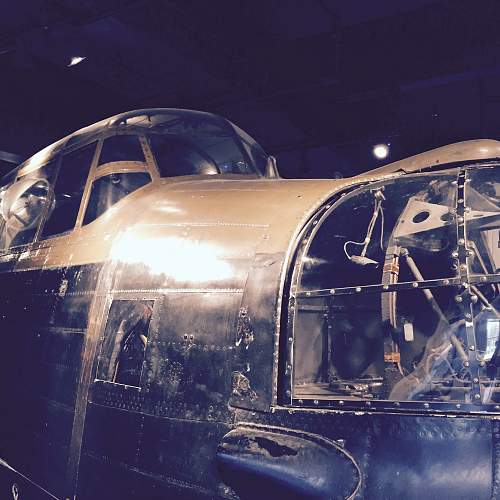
(76, 60)
(381, 151)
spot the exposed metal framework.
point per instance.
(467, 294)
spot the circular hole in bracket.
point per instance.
(421, 216)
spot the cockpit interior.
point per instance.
(401, 303)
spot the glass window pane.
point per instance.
(198, 155)
(177, 156)
(110, 189)
(369, 235)
(440, 343)
(125, 342)
(351, 346)
(253, 149)
(23, 204)
(487, 335)
(482, 220)
(121, 148)
(68, 191)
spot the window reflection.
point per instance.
(23, 204)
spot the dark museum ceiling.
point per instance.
(316, 82)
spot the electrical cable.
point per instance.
(377, 209)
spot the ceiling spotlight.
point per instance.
(381, 151)
(76, 60)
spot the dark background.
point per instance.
(316, 82)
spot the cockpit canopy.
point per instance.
(76, 180)
(195, 143)
(179, 142)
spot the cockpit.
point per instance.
(194, 143)
(78, 179)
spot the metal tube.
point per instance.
(435, 306)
